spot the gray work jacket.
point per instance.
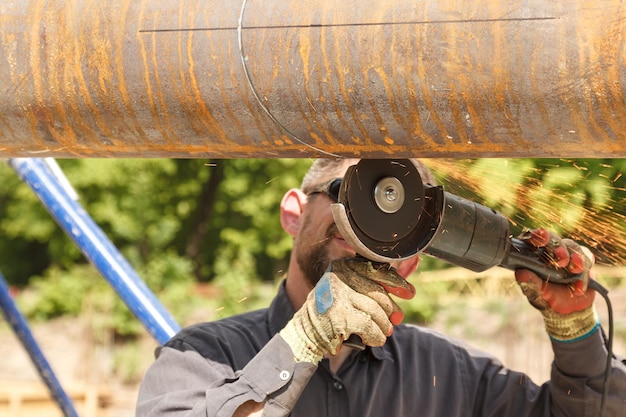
(210, 369)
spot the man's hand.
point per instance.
(350, 298)
(567, 309)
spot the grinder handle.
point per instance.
(354, 341)
(524, 256)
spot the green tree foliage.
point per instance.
(176, 221)
(201, 210)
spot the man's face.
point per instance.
(319, 242)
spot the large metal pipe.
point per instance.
(292, 78)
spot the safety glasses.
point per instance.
(330, 188)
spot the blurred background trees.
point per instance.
(184, 222)
(202, 212)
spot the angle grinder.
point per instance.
(386, 213)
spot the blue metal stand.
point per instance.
(20, 327)
(95, 245)
(52, 188)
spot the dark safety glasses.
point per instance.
(330, 188)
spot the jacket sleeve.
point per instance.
(574, 389)
(577, 380)
(183, 383)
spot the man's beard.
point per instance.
(314, 260)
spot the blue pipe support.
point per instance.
(21, 329)
(96, 247)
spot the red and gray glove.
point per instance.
(568, 310)
(352, 297)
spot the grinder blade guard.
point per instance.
(386, 213)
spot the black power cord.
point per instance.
(595, 285)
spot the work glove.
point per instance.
(350, 298)
(568, 310)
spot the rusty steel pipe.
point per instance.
(287, 78)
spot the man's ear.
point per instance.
(407, 266)
(291, 208)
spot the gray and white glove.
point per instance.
(352, 297)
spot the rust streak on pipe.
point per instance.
(367, 78)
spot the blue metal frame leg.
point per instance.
(21, 329)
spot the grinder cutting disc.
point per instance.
(383, 201)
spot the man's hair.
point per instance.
(324, 169)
